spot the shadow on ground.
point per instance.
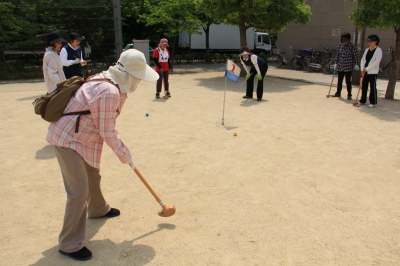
(388, 110)
(271, 85)
(45, 153)
(31, 98)
(106, 252)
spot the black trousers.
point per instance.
(163, 76)
(341, 75)
(260, 83)
(373, 95)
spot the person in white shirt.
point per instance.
(255, 67)
(52, 66)
(71, 56)
(370, 68)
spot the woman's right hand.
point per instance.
(162, 69)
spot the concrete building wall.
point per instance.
(328, 15)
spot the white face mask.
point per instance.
(126, 83)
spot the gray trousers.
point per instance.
(84, 198)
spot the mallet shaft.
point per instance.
(149, 188)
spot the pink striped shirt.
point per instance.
(105, 102)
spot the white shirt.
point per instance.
(373, 65)
(253, 59)
(52, 69)
(64, 56)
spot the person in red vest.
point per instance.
(162, 60)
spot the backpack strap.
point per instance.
(86, 112)
(80, 113)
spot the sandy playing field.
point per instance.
(307, 180)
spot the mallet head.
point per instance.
(328, 96)
(168, 211)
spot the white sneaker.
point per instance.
(371, 105)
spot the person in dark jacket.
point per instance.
(254, 66)
(346, 61)
(71, 56)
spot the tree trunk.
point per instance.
(394, 68)
(207, 32)
(242, 30)
(173, 45)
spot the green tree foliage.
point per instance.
(271, 15)
(170, 17)
(383, 15)
(16, 26)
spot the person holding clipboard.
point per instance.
(72, 57)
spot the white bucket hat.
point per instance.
(129, 70)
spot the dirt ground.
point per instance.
(307, 180)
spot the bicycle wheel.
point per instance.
(315, 65)
(331, 65)
(324, 65)
(296, 63)
(306, 64)
(277, 60)
(390, 71)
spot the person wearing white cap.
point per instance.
(255, 67)
(52, 65)
(78, 150)
(162, 60)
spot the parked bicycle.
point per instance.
(330, 61)
(279, 57)
(315, 61)
(390, 64)
(302, 60)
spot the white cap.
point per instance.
(134, 62)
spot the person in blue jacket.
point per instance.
(71, 56)
(255, 67)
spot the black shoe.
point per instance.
(112, 213)
(335, 95)
(247, 97)
(349, 98)
(157, 95)
(168, 94)
(259, 99)
(82, 254)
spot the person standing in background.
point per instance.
(346, 61)
(71, 56)
(370, 67)
(52, 65)
(162, 60)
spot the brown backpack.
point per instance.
(51, 106)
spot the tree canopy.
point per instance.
(271, 15)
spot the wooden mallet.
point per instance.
(166, 211)
(355, 103)
(329, 92)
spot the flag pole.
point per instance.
(223, 109)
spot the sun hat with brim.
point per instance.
(75, 36)
(54, 37)
(373, 38)
(163, 41)
(135, 64)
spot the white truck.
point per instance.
(225, 39)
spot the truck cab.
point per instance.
(262, 42)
